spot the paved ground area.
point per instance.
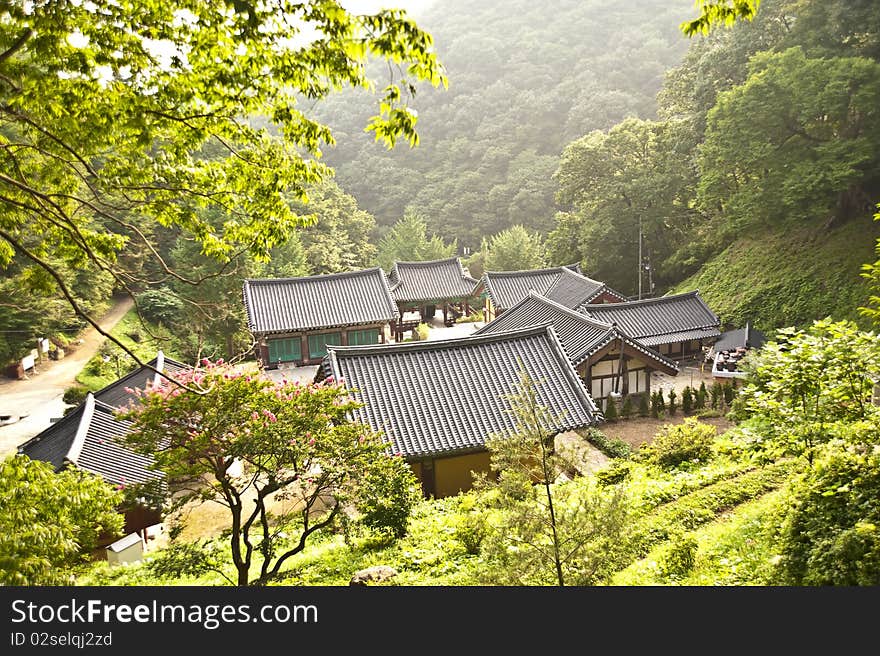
(691, 374)
(32, 403)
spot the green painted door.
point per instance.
(318, 343)
(362, 337)
(285, 350)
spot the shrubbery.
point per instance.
(75, 395)
(420, 332)
(387, 496)
(831, 522)
(610, 446)
(675, 444)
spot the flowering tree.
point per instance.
(277, 455)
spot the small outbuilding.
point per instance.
(436, 402)
(128, 549)
(295, 319)
(424, 287)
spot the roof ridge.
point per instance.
(646, 301)
(555, 269)
(546, 301)
(438, 344)
(82, 430)
(317, 276)
(68, 418)
(424, 262)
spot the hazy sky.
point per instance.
(415, 7)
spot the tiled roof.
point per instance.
(90, 438)
(580, 336)
(571, 289)
(115, 393)
(747, 337)
(338, 299)
(660, 320)
(429, 281)
(442, 397)
(507, 288)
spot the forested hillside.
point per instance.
(758, 182)
(525, 78)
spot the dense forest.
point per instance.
(525, 79)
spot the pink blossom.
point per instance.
(255, 415)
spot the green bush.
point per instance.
(627, 410)
(672, 404)
(700, 398)
(678, 443)
(661, 402)
(644, 409)
(611, 413)
(420, 332)
(678, 560)
(715, 395)
(470, 530)
(729, 392)
(387, 495)
(656, 404)
(615, 472)
(610, 446)
(830, 531)
(476, 315)
(75, 395)
(687, 400)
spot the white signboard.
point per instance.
(44, 345)
(27, 362)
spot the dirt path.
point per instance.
(37, 399)
(638, 431)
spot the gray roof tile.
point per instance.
(116, 394)
(429, 281)
(747, 337)
(338, 299)
(571, 289)
(440, 397)
(91, 438)
(580, 335)
(566, 285)
(660, 320)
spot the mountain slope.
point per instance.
(789, 277)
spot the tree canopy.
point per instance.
(49, 521)
(408, 241)
(124, 121)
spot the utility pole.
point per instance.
(641, 264)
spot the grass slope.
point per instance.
(143, 341)
(789, 277)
